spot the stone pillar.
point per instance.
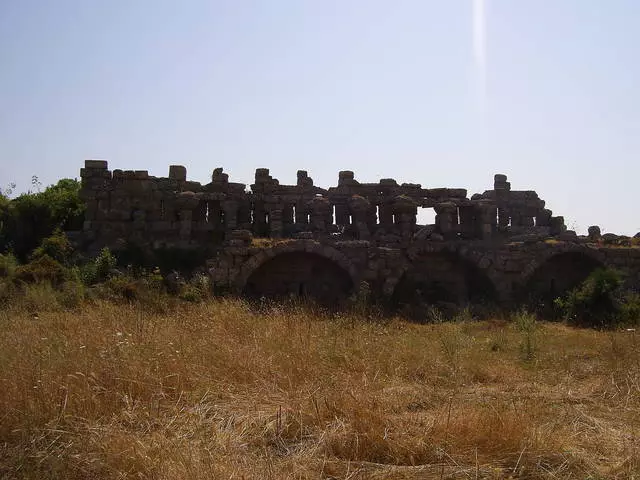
(320, 214)
(230, 208)
(178, 172)
(360, 208)
(346, 178)
(385, 214)
(342, 215)
(95, 181)
(502, 188)
(485, 220)
(304, 180)
(467, 221)
(186, 202)
(543, 219)
(447, 219)
(557, 225)
(215, 213)
(260, 228)
(275, 222)
(405, 211)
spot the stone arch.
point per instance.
(442, 277)
(473, 259)
(557, 272)
(298, 269)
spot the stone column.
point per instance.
(275, 222)
(485, 220)
(320, 214)
(385, 213)
(502, 189)
(342, 214)
(186, 203)
(447, 219)
(467, 221)
(557, 225)
(544, 218)
(360, 208)
(405, 211)
(302, 213)
(230, 214)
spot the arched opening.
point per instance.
(444, 281)
(300, 275)
(556, 277)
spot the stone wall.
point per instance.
(277, 240)
(132, 205)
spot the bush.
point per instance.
(56, 246)
(197, 289)
(630, 309)
(527, 324)
(39, 296)
(43, 269)
(596, 302)
(28, 219)
(8, 265)
(104, 263)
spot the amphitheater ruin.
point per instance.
(274, 240)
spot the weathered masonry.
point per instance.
(281, 240)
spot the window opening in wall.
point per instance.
(377, 214)
(293, 209)
(162, 211)
(333, 215)
(206, 212)
(426, 216)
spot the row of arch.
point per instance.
(426, 278)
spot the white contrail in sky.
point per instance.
(480, 46)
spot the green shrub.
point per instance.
(56, 246)
(104, 263)
(527, 324)
(596, 302)
(43, 269)
(8, 265)
(8, 291)
(119, 288)
(39, 296)
(197, 289)
(31, 217)
(630, 309)
(71, 294)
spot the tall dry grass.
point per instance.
(218, 391)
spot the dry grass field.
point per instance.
(215, 390)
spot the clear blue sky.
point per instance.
(384, 88)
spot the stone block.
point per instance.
(96, 164)
(177, 172)
(594, 232)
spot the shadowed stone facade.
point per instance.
(278, 240)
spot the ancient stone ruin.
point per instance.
(273, 240)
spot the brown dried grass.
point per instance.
(218, 391)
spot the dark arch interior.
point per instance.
(442, 280)
(557, 276)
(300, 275)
